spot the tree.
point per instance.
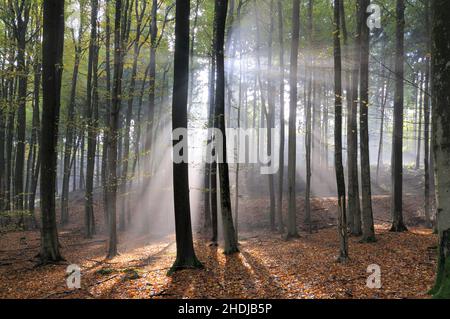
(282, 121)
(270, 116)
(21, 12)
(441, 148)
(353, 205)
(114, 127)
(107, 120)
(367, 213)
(52, 52)
(92, 117)
(426, 106)
(70, 120)
(139, 13)
(292, 220)
(186, 257)
(229, 233)
(397, 138)
(308, 117)
(340, 179)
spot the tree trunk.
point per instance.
(114, 127)
(308, 117)
(340, 179)
(397, 138)
(419, 130)
(271, 117)
(292, 220)
(427, 110)
(52, 49)
(70, 124)
(367, 214)
(20, 30)
(129, 113)
(92, 116)
(441, 147)
(186, 257)
(282, 122)
(224, 179)
(106, 131)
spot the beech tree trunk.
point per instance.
(397, 138)
(52, 53)
(367, 213)
(292, 220)
(340, 179)
(280, 222)
(229, 233)
(186, 257)
(441, 147)
(92, 116)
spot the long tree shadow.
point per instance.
(196, 283)
(269, 285)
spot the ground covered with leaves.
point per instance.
(266, 267)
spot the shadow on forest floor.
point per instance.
(267, 267)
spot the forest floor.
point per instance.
(267, 266)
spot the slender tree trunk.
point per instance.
(92, 116)
(126, 146)
(35, 134)
(106, 131)
(397, 139)
(213, 165)
(191, 55)
(427, 111)
(9, 140)
(238, 120)
(292, 220)
(282, 121)
(21, 26)
(70, 127)
(208, 185)
(383, 119)
(114, 126)
(308, 117)
(271, 117)
(353, 205)
(227, 217)
(419, 130)
(367, 214)
(340, 179)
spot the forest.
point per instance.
(224, 149)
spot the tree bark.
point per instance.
(186, 257)
(92, 117)
(292, 219)
(114, 124)
(340, 179)
(52, 53)
(397, 138)
(367, 213)
(282, 122)
(229, 234)
(441, 147)
(427, 111)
